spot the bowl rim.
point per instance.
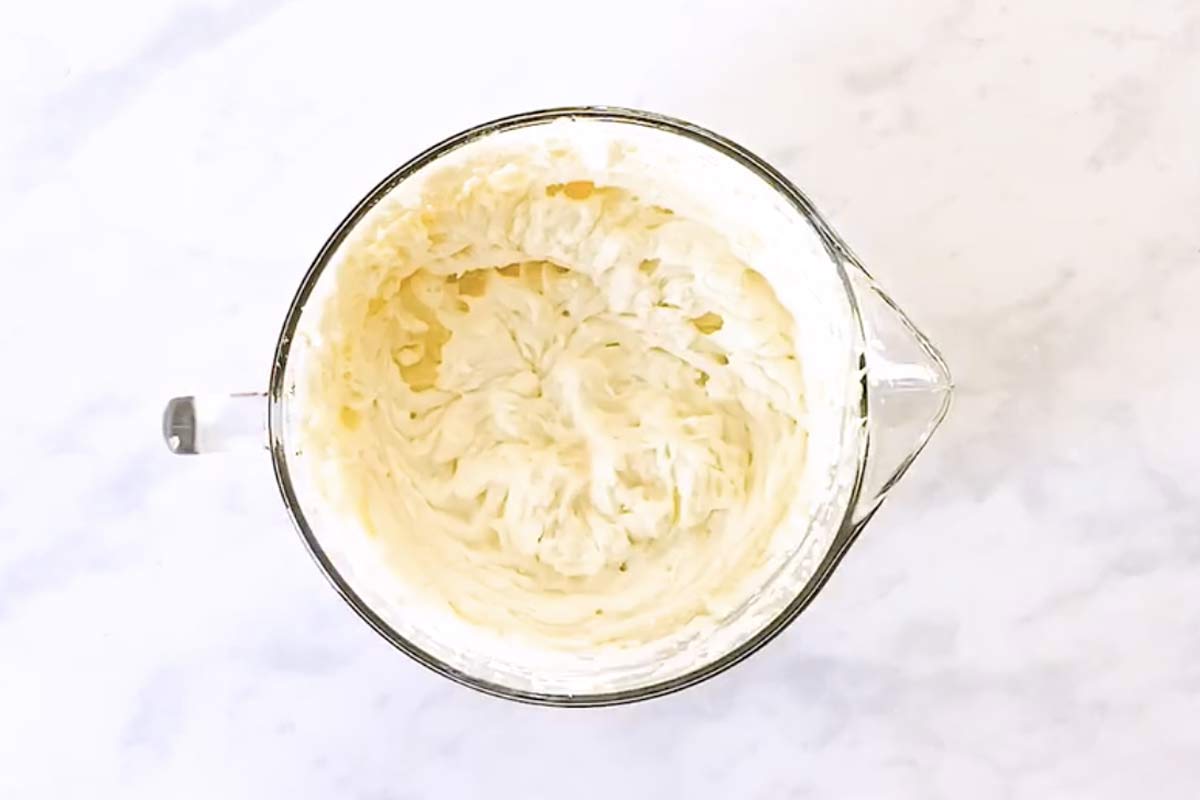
(848, 529)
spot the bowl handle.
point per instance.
(213, 423)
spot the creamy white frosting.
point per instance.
(565, 412)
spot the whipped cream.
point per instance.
(562, 408)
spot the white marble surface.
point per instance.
(1021, 621)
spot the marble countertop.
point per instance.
(1021, 620)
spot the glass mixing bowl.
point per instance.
(879, 388)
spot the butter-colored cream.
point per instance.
(564, 413)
